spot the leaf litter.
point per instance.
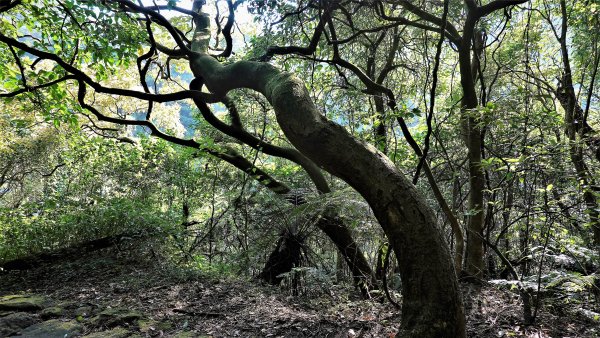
(156, 300)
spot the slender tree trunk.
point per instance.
(380, 130)
(451, 216)
(525, 231)
(577, 130)
(508, 205)
(474, 264)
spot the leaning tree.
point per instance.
(55, 49)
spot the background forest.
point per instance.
(405, 149)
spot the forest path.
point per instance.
(127, 293)
(112, 293)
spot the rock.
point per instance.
(84, 311)
(117, 332)
(68, 305)
(15, 322)
(118, 288)
(186, 334)
(153, 327)
(21, 303)
(51, 312)
(591, 316)
(115, 316)
(52, 329)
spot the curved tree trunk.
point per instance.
(362, 275)
(432, 305)
(331, 225)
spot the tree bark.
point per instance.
(474, 262)
(339, 234)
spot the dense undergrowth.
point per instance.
(196, 225)
(34, 229)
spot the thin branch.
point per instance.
(436, 66)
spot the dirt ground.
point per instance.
(113, 293)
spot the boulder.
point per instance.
(51, 312)
(15, 323)
(116, 316)
(21, 303)
(52, 329)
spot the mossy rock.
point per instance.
(52, 312)
(84, 311)
(186, 334)
(116, 316)
(68, 305)
(22, 303)
(117, 332)
(190, 334)
(150, 326)
(52, 329)
(15, 322)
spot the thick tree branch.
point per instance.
(497, 5)
(452, 31)
(226, 31)
(80, 75)
(312, 46)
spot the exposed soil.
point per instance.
(125, 294)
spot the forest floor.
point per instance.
(114, 293)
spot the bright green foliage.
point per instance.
(37, 228)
